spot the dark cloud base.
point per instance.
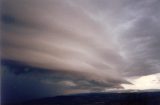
(19, 82)
(22, 82)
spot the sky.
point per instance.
(144, 82)
(55, 47)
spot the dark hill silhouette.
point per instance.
(111, 98)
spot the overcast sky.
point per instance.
(74, 46)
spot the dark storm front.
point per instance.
(133, 98)
(54, 48)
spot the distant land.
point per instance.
(150, 97)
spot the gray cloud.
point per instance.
(97, 42)
(140, 40)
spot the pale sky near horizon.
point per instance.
(144, 82)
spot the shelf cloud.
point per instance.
(90, 45)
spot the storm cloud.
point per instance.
(90, 45)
